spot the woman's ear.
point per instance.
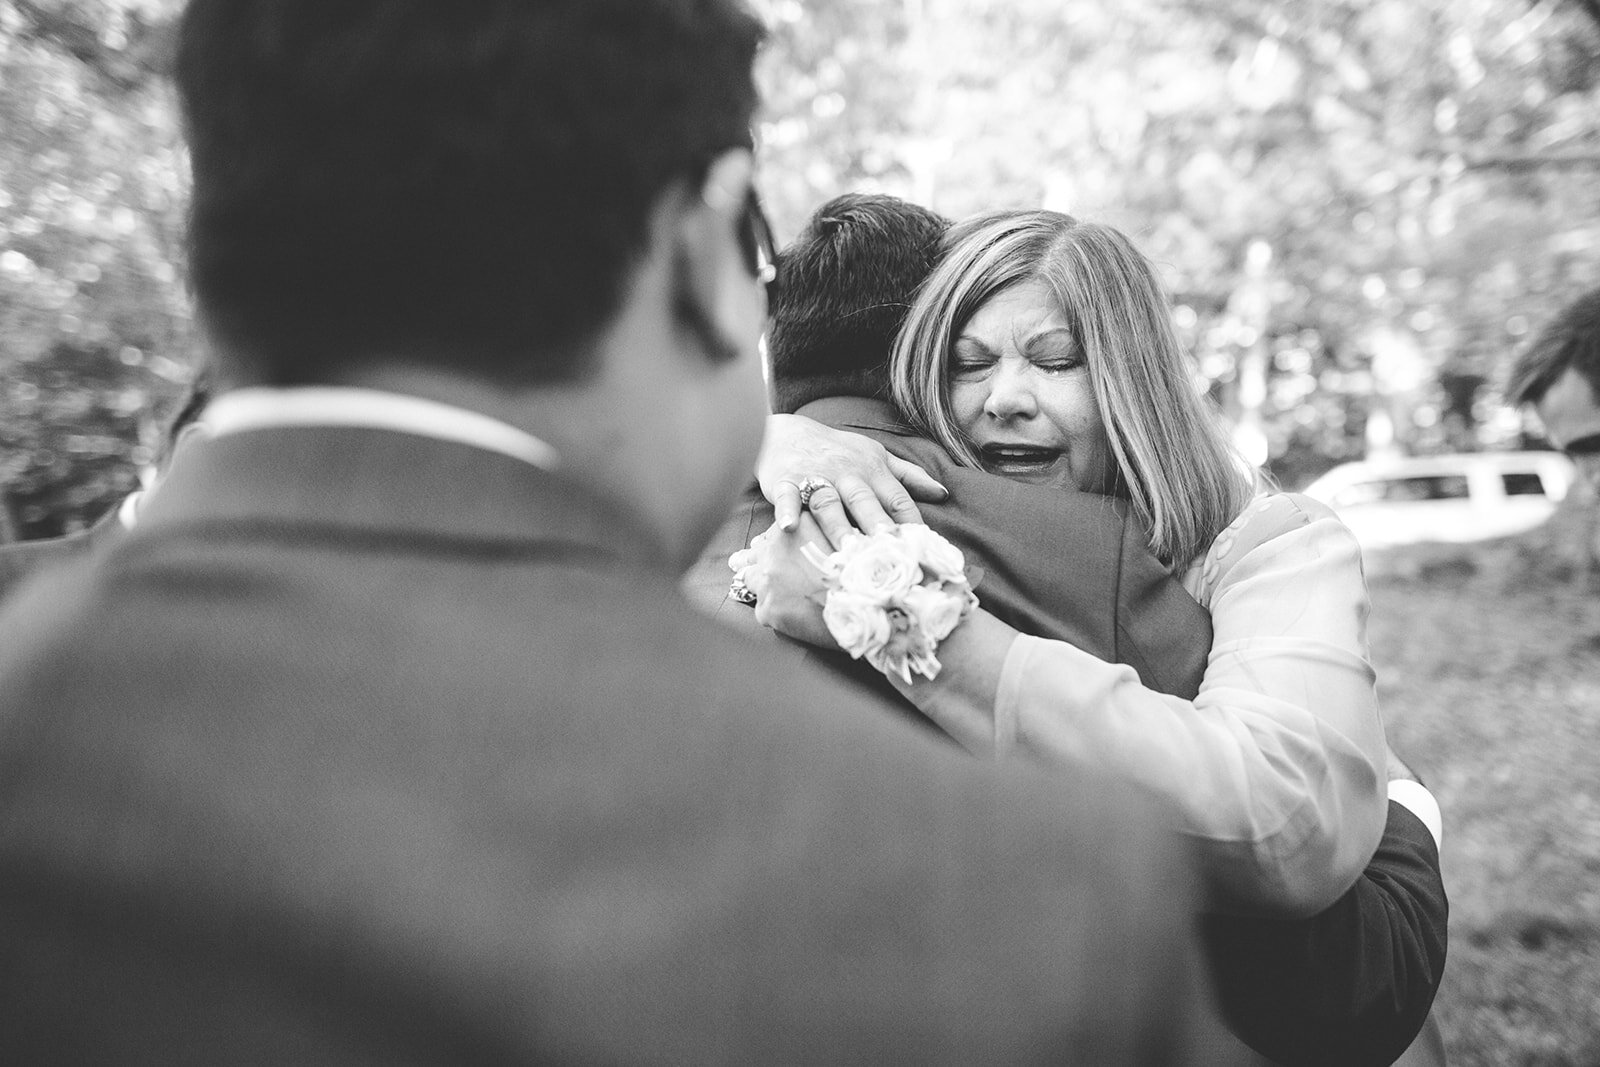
(715, 295)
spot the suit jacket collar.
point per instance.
(856, 413)
(359, 483)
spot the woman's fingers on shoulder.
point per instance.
(918, 484)
(871, 504)
(828, 509)
(785, 505)
(852, 503)
(847, 480)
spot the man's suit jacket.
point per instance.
(1351, 986)
(21, 559)
(365, 747)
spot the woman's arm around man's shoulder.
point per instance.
(1276, 768)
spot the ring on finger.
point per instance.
(739, 591)
(809, 487)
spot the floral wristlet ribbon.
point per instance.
(890, 596)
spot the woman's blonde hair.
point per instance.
(1175, 462)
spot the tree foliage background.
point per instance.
(95, 333)
(1362, 206)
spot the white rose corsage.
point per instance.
(893, 595)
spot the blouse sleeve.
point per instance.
(1276, 766)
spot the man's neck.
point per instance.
(617, 432)
(586, 426)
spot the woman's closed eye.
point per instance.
(1055, 352)
(969, 360)
(1057, 365)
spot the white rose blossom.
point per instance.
(935, 610)
(858, 623)
(937, 556)
(892, 596)
(889, 597)
(882, 568)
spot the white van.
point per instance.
(1471, 496)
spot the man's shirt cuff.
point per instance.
(1415, 798)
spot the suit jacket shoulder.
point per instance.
(21, 559)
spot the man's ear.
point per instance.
(715, 297)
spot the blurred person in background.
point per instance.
(1350, 986)
(21, 559)
(385, 736)
(1559, 377)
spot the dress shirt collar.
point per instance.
(259, 408)
(128, 510)
(356, 477)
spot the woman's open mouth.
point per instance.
(1020, 461)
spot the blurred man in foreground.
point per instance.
(386, 737)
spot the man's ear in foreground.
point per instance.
(717, 295)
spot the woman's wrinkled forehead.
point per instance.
(979, 296)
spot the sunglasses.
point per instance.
(755, 240)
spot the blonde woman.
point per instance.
(1041, 349)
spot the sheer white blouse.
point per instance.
(1276, 768)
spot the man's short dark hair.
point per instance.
(1572, 341)
(450, 182)
(844, 287)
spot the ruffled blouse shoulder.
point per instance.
(1267, 516)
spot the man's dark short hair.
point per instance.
(458, 183)
(1572, 340)
(844, 287)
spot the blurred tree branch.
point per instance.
(1523, 164)
(144, 53)
(1254, 22)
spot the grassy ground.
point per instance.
(1491, 690)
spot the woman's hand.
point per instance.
(861, 480)
(788, 589)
